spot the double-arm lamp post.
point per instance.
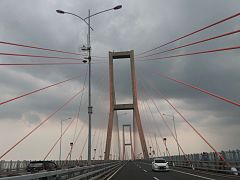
(88, 48)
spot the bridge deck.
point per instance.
(142, 171)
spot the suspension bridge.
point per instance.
(130, 128)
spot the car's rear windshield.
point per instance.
(160, 161)
(35, 165)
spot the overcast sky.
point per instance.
(139, 26)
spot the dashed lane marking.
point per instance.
(145, 170)
(155, 178)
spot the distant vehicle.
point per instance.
(36, 166)
(160, 164)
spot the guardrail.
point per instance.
(13, 168)
(214, 166)
(210, 161)
(89, 172)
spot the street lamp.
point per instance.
(71, 146)
(60, 148)
(153, 152)
(94, 154)
(174, 131)
(88, 48)
(150, 147)
(165, 143)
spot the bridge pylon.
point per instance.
(117, 107)
(127, 144)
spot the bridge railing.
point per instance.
(12, 168)
(207, 161)
(83, 172)
(215, 166)
(210, 161)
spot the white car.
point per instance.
(160, 164)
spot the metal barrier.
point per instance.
(213, 166)
(72, 173)
(207, 161)
(13, 168)
(210, 161)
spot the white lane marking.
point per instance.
(155, 178)
(145, 170)
(192, 174)
(140, 167)
(116, 171)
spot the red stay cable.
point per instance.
(193, 53)
(185, 156)
(38, 64)
(193, 43)
(175, 138)
(38, 56)
(65, 130)
(40, 48)
(200, 135)
(199, 89)
(32, 92)
(39, 125)
(194, 32)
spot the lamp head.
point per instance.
(60, 11)
(117, 7)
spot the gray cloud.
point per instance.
(139, 25)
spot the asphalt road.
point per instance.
(141, 171)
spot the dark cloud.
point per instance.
(139, 25)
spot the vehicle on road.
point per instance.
(37, 166)
(160, 164)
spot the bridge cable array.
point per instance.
(160, 93)
(73, 119)
(192, 33)
(165, 123)
(199, 89)
(192, 43)
(35, 91)
(39, 48)
(39, 125)
(193, 53)
(38, 56)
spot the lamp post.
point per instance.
(60, 148)
(94, 154)
(165, 143)
(71, 146)
(88, 48)
(150, 147)
(174, 131)
(153, 153)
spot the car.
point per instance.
(37, 166)
(160, 164)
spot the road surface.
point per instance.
(135, 170)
